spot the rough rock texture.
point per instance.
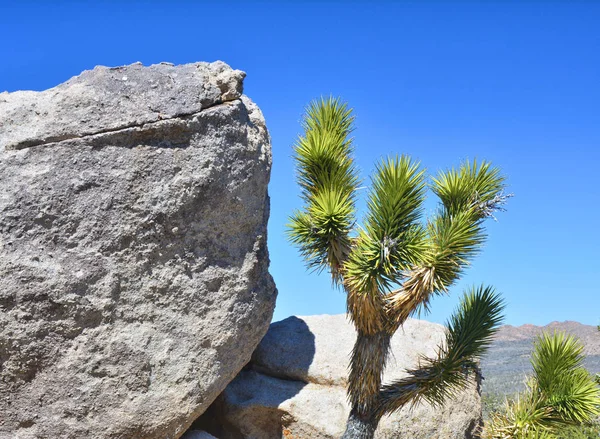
(196, 434)
(134, 278)
(295, 386)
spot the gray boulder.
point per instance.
(134, 278)
(295, 386)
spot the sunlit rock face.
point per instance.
(295, 386)
(134, 278)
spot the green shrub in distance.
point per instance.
(562, 399)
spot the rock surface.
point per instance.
(196, 434)
(134, 278)
(295, 386)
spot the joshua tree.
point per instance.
(394, 264)
(561, 393)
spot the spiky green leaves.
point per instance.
(560, 392)
(321, 231)
(453, 240)
(328, 179)
(561, 379)
(471, 187)
(468, 195)
(473, 324)
(524, 419)
(469, 333)
(453, 236)
(396, 198)
(323, 153)
(392, 237)
(390, 242)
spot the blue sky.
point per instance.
(517, 84)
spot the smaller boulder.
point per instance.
(295, 386)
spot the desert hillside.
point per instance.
(507, 363)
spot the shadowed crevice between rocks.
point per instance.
(290, 348)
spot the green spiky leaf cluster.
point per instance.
(328, 180)
(468, 195)
(453, 242)
(468, 335)
(478, 188)
(392, 238)
(453, 236)
(560, 393)
(562, 381)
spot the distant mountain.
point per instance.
(507, 363)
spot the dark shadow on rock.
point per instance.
(277, 372)
(286, 351)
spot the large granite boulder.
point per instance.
(134, 278)
(294, 388)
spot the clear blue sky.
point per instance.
(517, 84)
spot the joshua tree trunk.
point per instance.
(366, 370)
(360, 426)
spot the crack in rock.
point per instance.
(58, 139)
